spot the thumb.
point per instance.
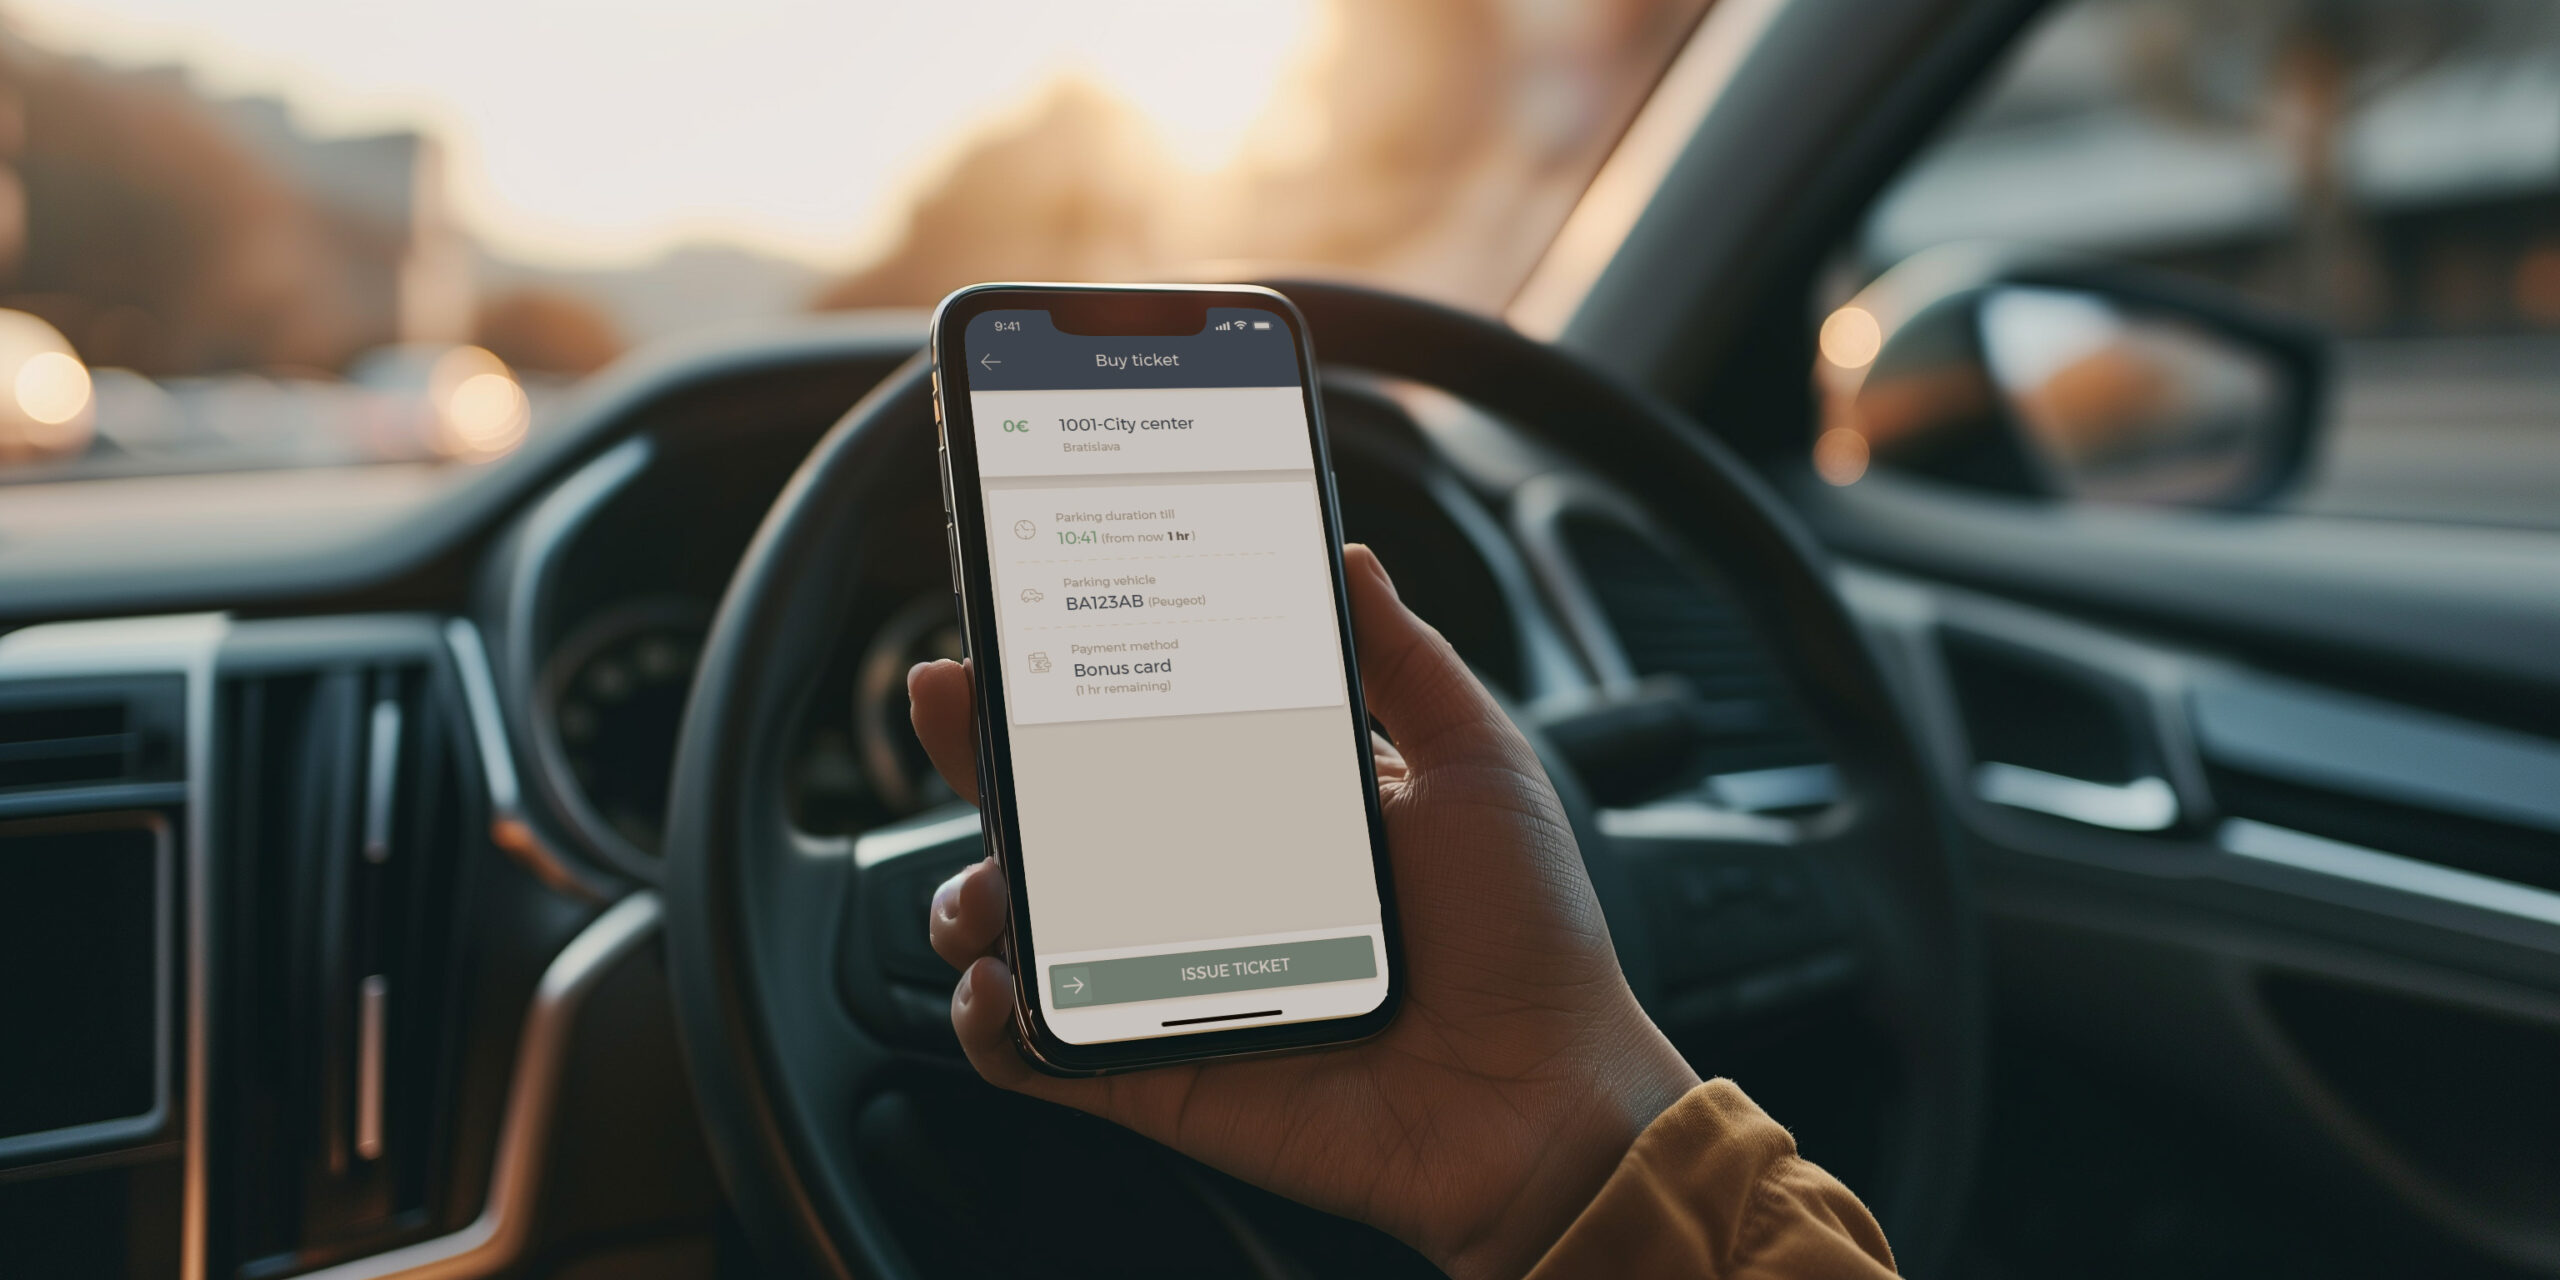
(1413, 679)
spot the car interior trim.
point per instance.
(186, 644)
(99, 799)
(497, 1238)
(196, 1202)
(1620, 192)
(1791, 786)
(1840, 91)
(2352, 588)
(382, 779)
(2144, 804)
(2238, 849)
(1690, 821)
(929, 830)
(508, 827)
(2269, 843)
(1537, 519)
(1547, 660)
(549, 530)
(373, 1002)
(2198, 708)
(2364, 745)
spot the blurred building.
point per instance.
(172, 234)
(420, 274)
(2391, 168)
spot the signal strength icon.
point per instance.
(1224, 325)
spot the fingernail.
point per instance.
(960, 993)
(946, 900)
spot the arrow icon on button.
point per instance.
(1074, 986)
(988, 362)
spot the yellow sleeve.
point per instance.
(1714, 1188)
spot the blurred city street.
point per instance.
(2434, 430)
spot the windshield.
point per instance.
(268, 233)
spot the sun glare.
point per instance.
(598, 136)
(1202, 102)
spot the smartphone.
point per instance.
(1173, 755)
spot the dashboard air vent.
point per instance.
(1673, 620)
(342, 825)
(83, 733)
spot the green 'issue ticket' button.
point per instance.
(1207, 973)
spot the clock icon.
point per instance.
(1025, 529)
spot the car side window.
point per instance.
(2382, 176)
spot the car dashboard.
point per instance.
(351, 837)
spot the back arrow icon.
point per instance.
(1075, 986)
(988, 362)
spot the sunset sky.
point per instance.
(596, 132)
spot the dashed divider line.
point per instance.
(1151, 622)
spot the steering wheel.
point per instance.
(799, 972)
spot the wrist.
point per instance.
(1599, 1120)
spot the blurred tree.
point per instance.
(547, 331)
(138, 225)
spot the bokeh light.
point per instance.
(52, 387)
(49, 410)
(1840, 456)
(482, 410)
(1851, 338)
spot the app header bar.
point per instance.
(1024, 351)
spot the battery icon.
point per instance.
(1261, 324)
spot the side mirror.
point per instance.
(2067, 378)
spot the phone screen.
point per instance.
(1187, 762)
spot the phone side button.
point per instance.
(951, 543)
(944, 471)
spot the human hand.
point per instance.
(1520, 1068)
